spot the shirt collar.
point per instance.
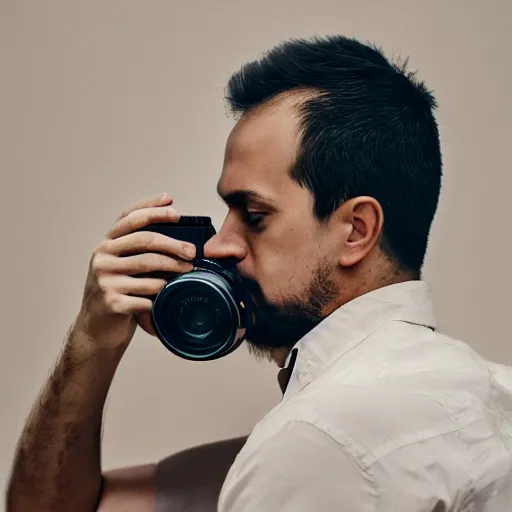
(351, 324)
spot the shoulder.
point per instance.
(297, 467)
(386, 417)
(391, 394)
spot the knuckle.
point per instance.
(97, 262)
(102, 248)
(129, 220)
(113, 302)
(156, 262)
(98, 250)
(146, 263)
(103, 285)
(148, 219)
(169, 213)
(148, 239)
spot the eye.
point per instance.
(253, 219)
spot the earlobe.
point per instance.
(365, 218)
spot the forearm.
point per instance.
(57, 463)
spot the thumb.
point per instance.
(144, 321)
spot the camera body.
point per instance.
(199, 315)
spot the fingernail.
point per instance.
(189, 250)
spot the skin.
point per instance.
(341, 259)
(57, 463)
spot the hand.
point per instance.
(114, 301)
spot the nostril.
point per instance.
(222, 248)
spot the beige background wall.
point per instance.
(102, 102)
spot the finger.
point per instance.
(148, 241)
(158, 200)
(144, 321)
(128, 285)
(141, 264)
(129, 305)
(142, 217)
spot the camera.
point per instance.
(199, 315)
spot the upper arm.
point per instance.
(187, 480)
(192, 479)
(131, 489)
(299, 468)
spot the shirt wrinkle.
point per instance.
(409, 419)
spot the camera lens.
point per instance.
(197, 316)
(198, 319)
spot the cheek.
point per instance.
(285, 272)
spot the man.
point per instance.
(332, 176)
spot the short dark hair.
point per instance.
(367, 129)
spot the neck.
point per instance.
(363, 279)
(374, 273)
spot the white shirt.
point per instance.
(382, 413)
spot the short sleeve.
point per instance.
(299, 469)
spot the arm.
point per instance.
(187, 480)
(70, 421)
(57, 463)
(60, 444)
(192, 479)
(130, 489)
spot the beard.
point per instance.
(280, 325)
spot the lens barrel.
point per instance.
(199, 315)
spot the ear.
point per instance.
(364, 219)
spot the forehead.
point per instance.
(260, 151)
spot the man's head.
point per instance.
(332, 176)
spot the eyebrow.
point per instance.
(242, 197)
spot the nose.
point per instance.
(226, 244)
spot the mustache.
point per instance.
(248, 286)
(290, 314)
(280, 321)
(255, 299)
